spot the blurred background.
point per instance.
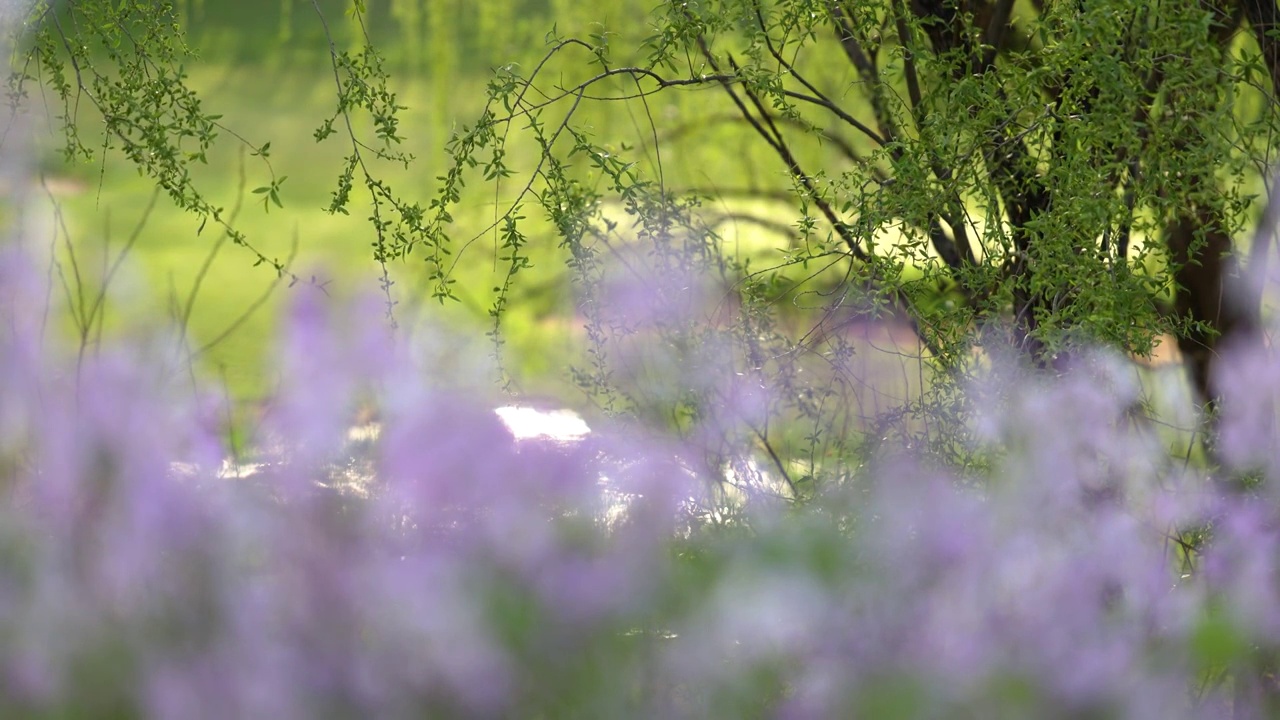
(265, 67)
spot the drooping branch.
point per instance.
(955, 251)
(843, 146)
(865, 65)
(1013, 167)
(754, 111)
(761, 121)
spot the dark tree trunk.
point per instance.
(1212, 295)
(1218, 305)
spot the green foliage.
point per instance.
(126, 60)
(991, 181)
(990, 176)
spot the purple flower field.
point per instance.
(473, 575)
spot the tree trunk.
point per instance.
(1212, 295)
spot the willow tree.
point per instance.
(1026, 153)
(1021, 174)
(1030, 175)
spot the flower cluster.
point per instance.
(471, 573)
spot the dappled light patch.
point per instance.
(557, 425)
